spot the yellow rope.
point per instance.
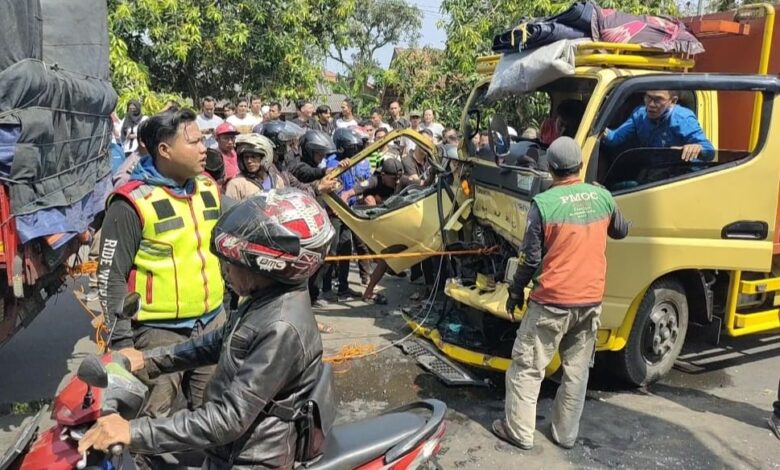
(478, 251)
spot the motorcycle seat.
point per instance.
(354, 444)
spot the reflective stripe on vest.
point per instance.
(176, 274)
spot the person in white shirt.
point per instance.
(256, 107)
(347, 119)
(377, 120)
(428, 123)
(128, 127)
(208, 121)
(242, 120)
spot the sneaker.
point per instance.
(349, 294)
(319, 303)
(93, 295)
(774, 424)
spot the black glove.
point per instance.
(514, 300)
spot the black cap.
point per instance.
(392, 166)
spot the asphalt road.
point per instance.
(708, 414)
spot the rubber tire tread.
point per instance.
(631, 366)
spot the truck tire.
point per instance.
(657, 335)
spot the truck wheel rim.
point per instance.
(661, 333)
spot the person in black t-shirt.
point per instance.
(375, 191)
(380, 185)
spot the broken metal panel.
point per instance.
(431, 360)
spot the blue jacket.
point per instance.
(356, 174)
(677, 127)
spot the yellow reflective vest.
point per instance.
(174, 270)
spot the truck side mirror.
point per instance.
(499, 138)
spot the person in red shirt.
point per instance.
(226, 142)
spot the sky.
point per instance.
(430, 35)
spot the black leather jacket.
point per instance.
(269, 349)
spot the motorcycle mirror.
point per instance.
(92, 372)
(499, 137)
(130, 306)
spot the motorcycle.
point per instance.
(404, 438)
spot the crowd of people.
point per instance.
(203, 226)
(253, 148)
(184, 219)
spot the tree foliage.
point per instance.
(470, 26)
(373, 25)
(196, 48)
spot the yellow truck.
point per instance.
(703, 239)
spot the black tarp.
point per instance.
(54, 85)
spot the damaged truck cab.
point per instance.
(703, 240)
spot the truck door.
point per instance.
(713, 213)
(407, 222)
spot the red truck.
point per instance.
(55, 129)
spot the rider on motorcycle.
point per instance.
(268, 355)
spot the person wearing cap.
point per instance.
(414, 120)
(375, 191)
(226, 143)
(563, 252)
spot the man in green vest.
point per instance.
(156, 237)
(563, 252)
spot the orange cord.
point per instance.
(346, 353)
(98, 323)
(478, 251)
(87, 267)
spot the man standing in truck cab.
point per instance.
(662, 123)
(563, 252)
(156, 237)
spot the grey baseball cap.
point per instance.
(564, 154)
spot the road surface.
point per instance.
(709, 414)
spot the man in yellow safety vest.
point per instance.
(156, 237)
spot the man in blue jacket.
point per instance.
(661, 123)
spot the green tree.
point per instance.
(195, 48)
(373, 25)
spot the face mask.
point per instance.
(322, 165)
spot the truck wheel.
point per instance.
(657, 334)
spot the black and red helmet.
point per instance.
(283, 234)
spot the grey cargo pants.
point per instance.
(543, 330)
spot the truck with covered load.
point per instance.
(56, 100)
(704, 242)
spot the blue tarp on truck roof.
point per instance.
(54, 85)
